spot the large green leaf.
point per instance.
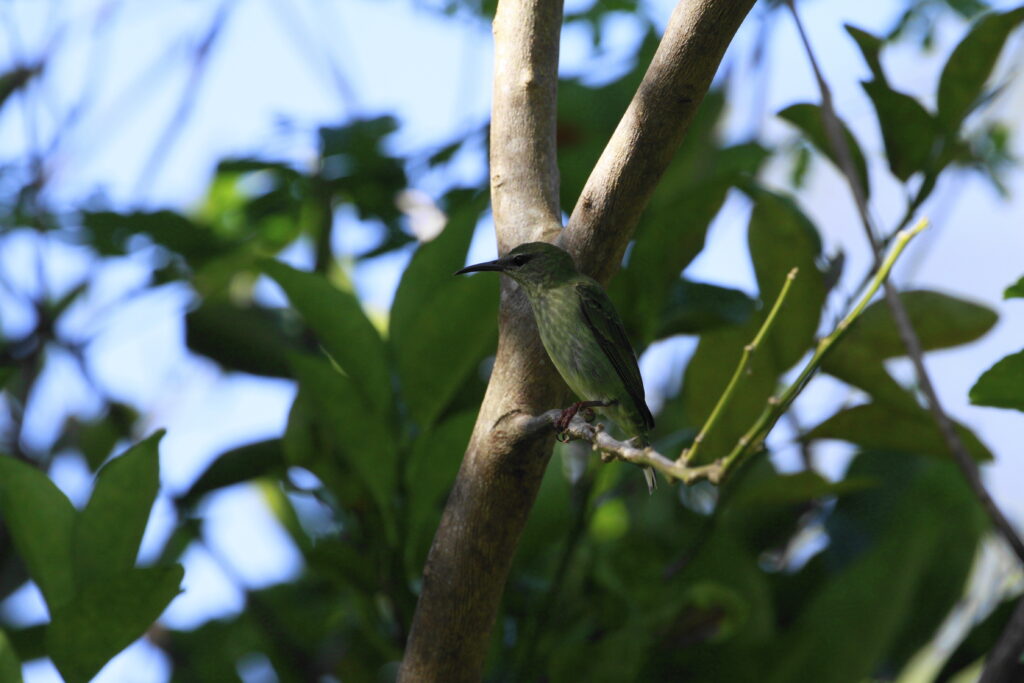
(968, 68)
(109, 530)
(430, 472)
(870, 47)
(781, 238)
(908, 129)
(883, 427)
(111, 234)
(249, 339)
(338, 320)
(41, 521)
(809, 118)
(694, 307)
(1002, 385)
(362, 438)
(915, 535)
(10, 667)
(442, 326)
(242, 464)
(979, 642)
(106, 616)
(940, 321)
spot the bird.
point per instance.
(583, 335)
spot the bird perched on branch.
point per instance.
(583, 336)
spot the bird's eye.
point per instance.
(520, 260)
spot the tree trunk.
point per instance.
(474, 545)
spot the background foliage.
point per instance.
(783, 575)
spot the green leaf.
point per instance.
(111, 233)
(442, 326)
(968, 68)
(348, 336)
(809, 118)
(940, 321)
(897, 542)
(908, 129)
(695, 307)
(781, 238)
(882, 427)
(10, 667)
(798, 488)
(870, 46)
(109, 530)
(430, 473)
(107, 615)
(1002, 385)
(247, 339)
(1014, 291)
(364, 441)
(41, 521)
(238, 465)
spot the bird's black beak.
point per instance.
(498, 265)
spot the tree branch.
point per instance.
(472, 551)
(908, 336)
(501, 472)
(650, 132)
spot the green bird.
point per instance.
(583, 336)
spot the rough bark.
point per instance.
(472, 551)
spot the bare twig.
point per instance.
(689, 455)
(908, 336)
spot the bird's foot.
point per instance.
(563, 420)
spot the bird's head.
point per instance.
(534, 265)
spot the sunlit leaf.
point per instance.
(1002, 385)
(809, 119)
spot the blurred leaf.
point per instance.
(10, 667)
(238, 465)
(348, 336)
(694, 186)
(882, 427)
(969, 66)
(109, 530)
(430, 472)
(908, 129)
(442, 326)
(931, 524)
(798, 488)
(107, 615)
(1002, 385)
(781, 238)
(979, 643)
(41, 522)
(694, 307)
(356, 168)
(809, 118)
(17, 78)
(249, 339)
(870, 47)
(1015, 291)
(111, 234)
(362, 438)
(940, 321)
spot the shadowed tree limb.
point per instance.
(501, 472)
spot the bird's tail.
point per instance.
(651, 478)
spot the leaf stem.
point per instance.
(689, 455)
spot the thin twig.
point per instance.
(908, 336)
(690, 454)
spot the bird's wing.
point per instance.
(607, 329)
